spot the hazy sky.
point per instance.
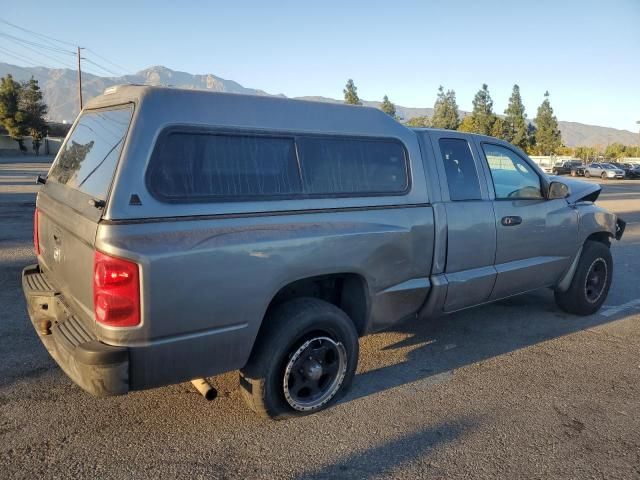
(585, 52)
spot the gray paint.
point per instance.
(210, 270)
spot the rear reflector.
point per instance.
(116, 291)
(36, 233)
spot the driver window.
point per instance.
(513, 178)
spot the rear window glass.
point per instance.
(460, 168)
(198, 166)
(90, 155)
(350, 166)
(192, 166)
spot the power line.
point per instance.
(35, 44)
(38, 62)
(41, 35)
(49, 56)
(101, 67)
(22, 58)
(57, 49)
(120, 67)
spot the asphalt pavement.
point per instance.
(517, 389)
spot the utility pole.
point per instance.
(79, 78)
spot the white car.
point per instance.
(603, 170)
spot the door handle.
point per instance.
(511, 220)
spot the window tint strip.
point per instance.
(460, 169)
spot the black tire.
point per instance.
(587, 173)
(603, 176)
(583, 297)
(287, 329)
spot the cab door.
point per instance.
(471, 230)
(536, 238)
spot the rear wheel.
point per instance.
(304, 360)
(591, 281)
(586, 173)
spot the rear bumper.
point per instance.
(100, 369)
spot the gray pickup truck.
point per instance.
(181, 234)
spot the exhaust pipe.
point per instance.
(205, 388)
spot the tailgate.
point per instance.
(71, 203)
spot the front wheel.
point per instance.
(304, 359)
(603, 176)
(590, 285)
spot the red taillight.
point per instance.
(116, 291)
(36, 233)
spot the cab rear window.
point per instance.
(88, 159)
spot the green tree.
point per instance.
(466, 125)
(482, 114)
(351, 94)
(498, 129)
(12, 117)
(34, 109)
(515, 123)
(548, 137)
(615, 150)
(388, 107)
(445, 110)
(531, 136)
(419, 122)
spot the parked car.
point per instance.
(181, 234)
(634, 171)
(565, 168)
(603, 170)
(627, 168)
(578, 170)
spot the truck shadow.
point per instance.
(380, 461)
(436, 347)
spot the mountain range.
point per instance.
(60, 93)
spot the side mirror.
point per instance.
(558, 190)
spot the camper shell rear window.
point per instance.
(89, 157)
(191, 166)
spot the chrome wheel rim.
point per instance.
(314, 373)
(596, 280)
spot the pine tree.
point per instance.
(445, 110)
(12, 117)
(351, 94)
(548, 137)
(34, 109)
(498, 129)
(482, 114)
(388, 107)
(515, 123)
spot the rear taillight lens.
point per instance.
(36, 233)
(116, 291)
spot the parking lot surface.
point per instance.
(517, 389)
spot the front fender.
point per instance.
(591, 219)
(595, 219)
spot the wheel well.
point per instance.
(347, 291)
(602, 237)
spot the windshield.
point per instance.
(89, 157)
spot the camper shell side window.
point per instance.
(194, 165)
